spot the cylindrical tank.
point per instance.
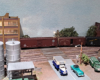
(12, 51)
(1, 61)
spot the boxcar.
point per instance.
(71, 41)
(78, 40)
(38, 42)
(64, 41)
(93, 41)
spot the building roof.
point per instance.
(20, 66)
(7, 16)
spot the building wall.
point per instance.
(9, 28)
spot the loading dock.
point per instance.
(17, 70)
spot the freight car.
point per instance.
(39, 42)
(93, 41)
(71, 41)
(51, 41)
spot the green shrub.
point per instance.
(25, 36)
(85, 59)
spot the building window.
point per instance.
(9, 23)
(5, 23)
(0, 23)
(10, 31)
(14, 31)
(14, 23)
(0, 32)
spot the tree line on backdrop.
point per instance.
(71, 32)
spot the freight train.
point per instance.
(61, 41)
(57, 42)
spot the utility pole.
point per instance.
(58, 35)
(81, 53)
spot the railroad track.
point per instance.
(50, 52)
(34, 55)
(45, 54)
(71, 52)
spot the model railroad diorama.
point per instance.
(16, 69)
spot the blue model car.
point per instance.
(77, 70)
(63, 70)
(59, 64)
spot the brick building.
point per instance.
(98, 29)
(9, 28)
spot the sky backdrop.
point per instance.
(40, 18)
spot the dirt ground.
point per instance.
(46, 73)
(89, 71)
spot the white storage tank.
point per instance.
(12, 51)
(1, 61)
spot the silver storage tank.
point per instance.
(12, 51)
(1, 61)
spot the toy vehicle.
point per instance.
(99, 59)
(94, 63)
(59, 64)
(21, 79)
(77, 70)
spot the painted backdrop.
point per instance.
(40, 18)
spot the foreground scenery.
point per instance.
(41, 58)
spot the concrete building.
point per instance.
(9, 28)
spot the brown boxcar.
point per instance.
(78, 40)
(38, 42)
(64, 41)
(71, 41)
(26, 42)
